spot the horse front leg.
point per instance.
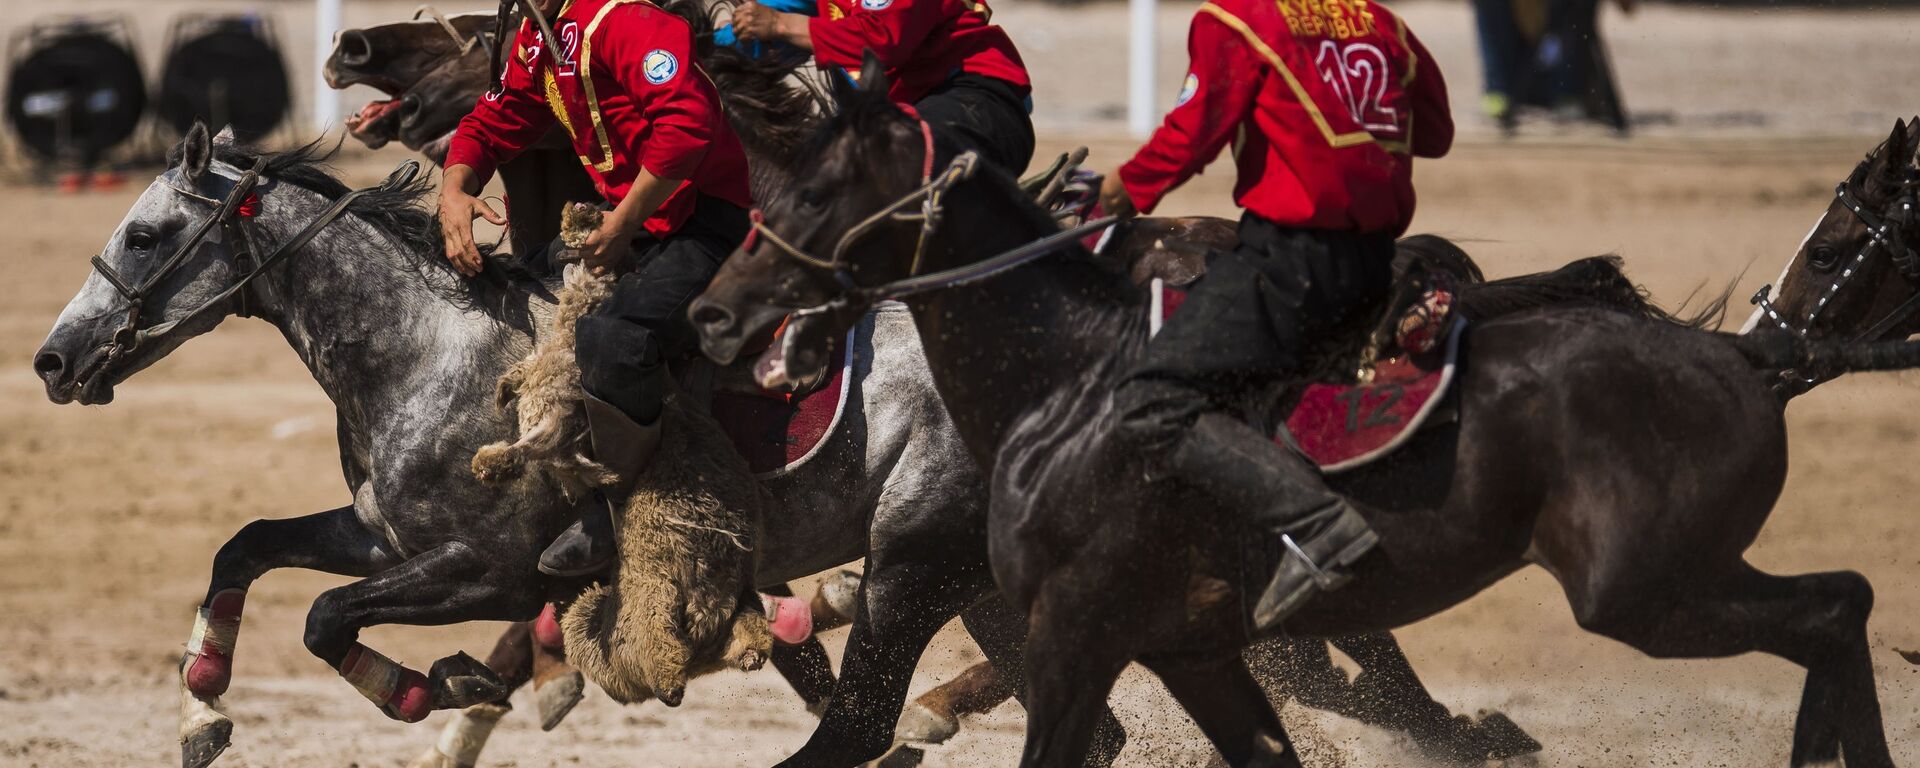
(449, 584)
(333, 541)
(466, 734)
(1001, 633)
(1398, 700)
(806, 666)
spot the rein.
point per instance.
(232, 214)
(503, 39)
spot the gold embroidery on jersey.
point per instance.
(834, 13)
(1299, 92)
(557, 104)
(1336, 19)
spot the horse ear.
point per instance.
(225, 137)
(196, 151)
(873, 74)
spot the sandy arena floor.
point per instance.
(110, 516)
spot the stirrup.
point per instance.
(1322, 578)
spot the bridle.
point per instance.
(930, 199)
(234, 215)
(1886, 229)
(503, 38)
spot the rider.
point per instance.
(959, 72)
(647, 124)
(1327, 101)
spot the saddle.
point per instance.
(775, 431)
(1365, 406)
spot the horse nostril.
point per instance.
(712, 318)
(355, 49)
(49, 364)
(409, 107)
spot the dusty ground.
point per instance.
(110, 516)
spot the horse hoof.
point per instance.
(1500, 738)
(557, 698)
(460, 681)
(901, 756)
(199, 748)
(921, 725)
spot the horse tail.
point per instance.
(1775, 351)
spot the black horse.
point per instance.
(1632, 455)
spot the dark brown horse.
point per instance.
(1631, 455)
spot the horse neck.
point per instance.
(1046, 336)
(369, 324)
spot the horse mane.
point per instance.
(400, 213)
(1595, 281)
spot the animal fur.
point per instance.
(682, 602)
(544, 387)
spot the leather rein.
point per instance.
(234, 215)
(930, 198)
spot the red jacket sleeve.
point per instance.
(892, 31)
(1216, 98)
(650, 53)
(503, 124)
(1432, 123)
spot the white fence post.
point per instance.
(326, 103)
(1141, 114)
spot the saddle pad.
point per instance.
(1341, 427)
(777, 432)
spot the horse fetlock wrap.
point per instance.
(216, 630)
(681, 600)
(400, 692)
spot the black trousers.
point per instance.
(1251, 325)
(984, 114)
(625, 345)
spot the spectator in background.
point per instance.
(1547, 54)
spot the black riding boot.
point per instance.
(624, 446)
(1321, 532)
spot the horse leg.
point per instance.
(1231, 709)
(467, 732)
(901, 606)
(1072, 663)
(448, 584)
(557, 686)
(934, 717)
(1818, 621)
(1393, 697)
(805, 666)
(333, 541)
(1001, 633)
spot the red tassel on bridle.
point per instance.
(249, 207)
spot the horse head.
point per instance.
(817, 239)
(432, 72)
(170, 258)
(1857, 274)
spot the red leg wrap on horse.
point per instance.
(546, 630)
(400, 692)
(215, 633)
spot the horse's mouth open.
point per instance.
(376, 123)
(797, 359)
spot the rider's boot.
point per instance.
(1319, 531)
(624, 446)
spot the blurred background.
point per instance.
(1697, 140)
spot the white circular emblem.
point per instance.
(660, 66)
(1188, 89)
(875, 5)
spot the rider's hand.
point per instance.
(753, 21)
(1114, 199)
(606, 248)
(458, 209)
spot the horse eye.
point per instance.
(1823, 258)
(140, 241)
(812, 198)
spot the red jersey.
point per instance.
(629, 94)
(1326, 102)
(922, 42)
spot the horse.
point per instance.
(1632, 454)
(1841, 282)
(429, 94)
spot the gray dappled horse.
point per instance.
(408, 352)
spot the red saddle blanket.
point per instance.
(1341, 427)
(777, 432)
